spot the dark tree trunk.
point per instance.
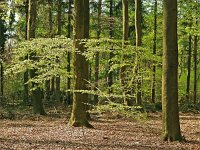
(153, 89)
(36, 93)
(52, 81)
(96, 73)
(26, 92)
(59, 27)
(69, 54)
(2, 44)
(195, 69)
(47, 82)
(110, 73)
(170, 112)
(189, 69)
(1, 82)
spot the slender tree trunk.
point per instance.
(59, 17)
(36, 93)
(96, 73)
(153, 89)
(170, 112)
(2, 44)
(26, 92)
(69, 54)
(189, 69)
(52, 81)
(59, 27)
(81, 66)
(138, 27)
(1, 81)
(110, 73)
(195, 69)
(123, 72)
(50, 5)
(48, 82)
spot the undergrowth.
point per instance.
(136, 113)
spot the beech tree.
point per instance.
(127, 101)
(96, 70)
(59, 30)
(2, 45)
(36, 92)
(26, 88)
(81, 65)
(69, 53)
(138, 27)
(153, 88)
(111, 33)
(170, 112)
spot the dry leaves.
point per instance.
(115, 134)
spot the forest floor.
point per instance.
(52, 133)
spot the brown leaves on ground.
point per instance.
(53, 133)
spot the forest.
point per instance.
(99, 74)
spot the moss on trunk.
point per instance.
(81, 31)
(170, 113)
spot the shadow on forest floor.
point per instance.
(47, 133)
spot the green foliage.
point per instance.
(131, 112)
(50, 59)
(138, 64)
(189, 108)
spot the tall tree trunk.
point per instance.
(59, 17)
(2, 44)
(153, 89)
(96, 73)
(69, 53)
(59, 27)
(125, 90)
(110, 73)
(50, 17)
(81, 31)
(26, 92)
(138, 27)
(36, 93)
(48, 82)
(189, 69)
(195, 69)
(170, 113)
(52, 81)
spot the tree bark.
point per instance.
(59, 27)
(195, 69)
(170, 112)
(110, 73)
(153, 89)
(36, 93)
(138, 27)
(123, 70)
(26, 92)
(69, 54)
(189, 69)
(48, 82)
(96, 73)
(81, 31)
(2, 45)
